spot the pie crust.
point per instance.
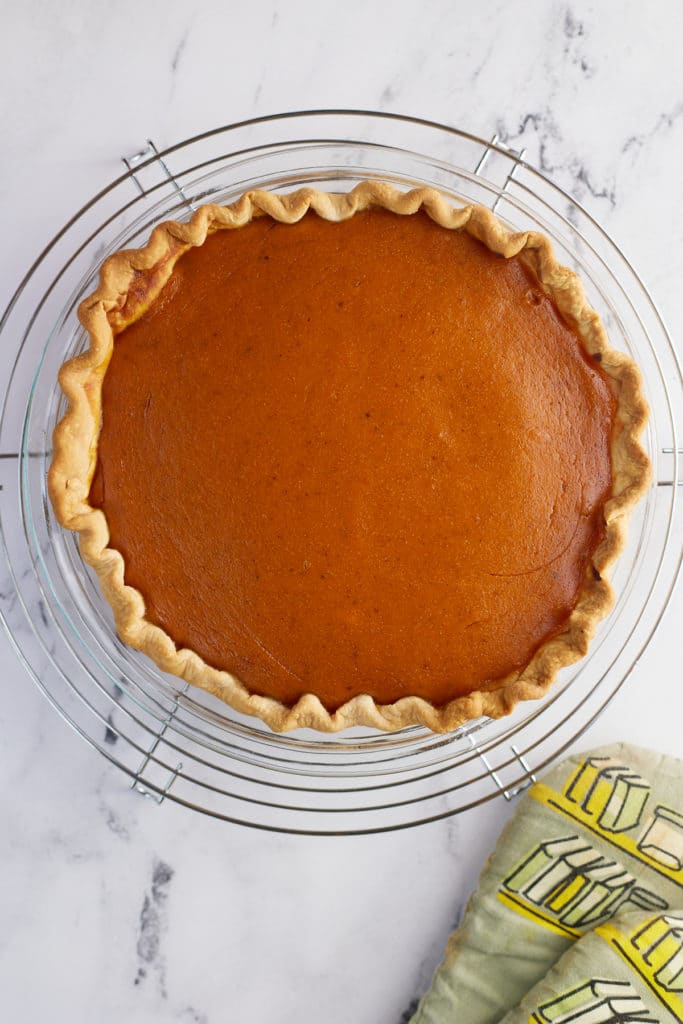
(131, 280)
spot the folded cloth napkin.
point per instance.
(626, 971)
(600, 834)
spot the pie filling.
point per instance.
(357, 457)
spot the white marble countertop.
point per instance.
(114, 908)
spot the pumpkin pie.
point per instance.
(350, 459)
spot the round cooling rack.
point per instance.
(176, 742)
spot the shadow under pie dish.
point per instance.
(350, 459)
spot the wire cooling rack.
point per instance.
(176, 742)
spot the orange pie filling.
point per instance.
(366, 457)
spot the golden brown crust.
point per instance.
(131, 280)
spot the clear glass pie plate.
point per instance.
(178, 742)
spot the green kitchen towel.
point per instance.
(601, 833)
(626, 971)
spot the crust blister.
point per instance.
(131, 280)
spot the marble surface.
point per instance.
(114, 907)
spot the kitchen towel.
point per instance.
(627, 971)
(600, 834)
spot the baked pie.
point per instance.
(350, 459)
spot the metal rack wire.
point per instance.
(177, 743)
